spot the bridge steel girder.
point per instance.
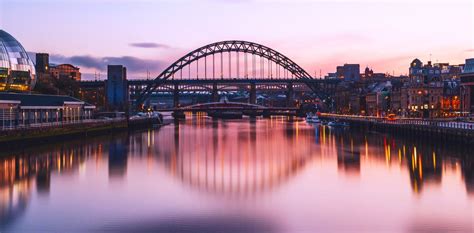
(227, 46)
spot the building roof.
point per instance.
(40, 100)
(416, 63)
(380, 86)
(469, 67)
(51, 65)
(12, 54)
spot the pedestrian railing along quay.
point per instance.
(60, 124)
(432, 123)
(65, 124)
(38, 131)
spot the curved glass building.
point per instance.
(17, 71)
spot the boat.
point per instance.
(337, 124)
(315, 119)
(310, 118)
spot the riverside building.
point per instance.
(20, 108)
(17, 71)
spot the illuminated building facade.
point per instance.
(425, 101)
(17, 71)
(46, 69)
(22, 110)
(65, 71)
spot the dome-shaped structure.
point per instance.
(416, 63)
(17, 71)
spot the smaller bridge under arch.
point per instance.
(225, 109)
(224, 105)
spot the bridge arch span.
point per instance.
(222, 47)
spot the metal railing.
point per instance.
(44, 125)
(407, 121)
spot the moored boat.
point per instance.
(338, 124)
(310, 118)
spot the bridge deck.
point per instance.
(144, 82)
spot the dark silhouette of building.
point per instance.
(42, 63)
(117, 88)
(350, 72)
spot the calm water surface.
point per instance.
(265, 175)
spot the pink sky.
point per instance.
(318, 35)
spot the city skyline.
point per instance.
(318, 35)
(241, 116)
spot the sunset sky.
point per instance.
(317, 34)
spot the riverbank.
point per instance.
(446, 130)
(60, 131)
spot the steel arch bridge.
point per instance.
(272, 56)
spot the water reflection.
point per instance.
(233, 159)
(236, 162)
(21, 169)
(187, 224)
(118, 154)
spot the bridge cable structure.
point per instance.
(230, 46)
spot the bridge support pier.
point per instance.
(178, 114)
(253, 93)
(215, 93)
(176, 96)
(289, 95)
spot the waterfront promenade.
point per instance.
(39, 131)
(441, 128)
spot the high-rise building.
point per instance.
(117, 87)
(42, 62)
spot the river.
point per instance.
(249, 175)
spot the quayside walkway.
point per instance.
(39, 131)
(444, 128)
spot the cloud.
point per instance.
(469, 50)
(134, 65)
(149, 45)
(83, 61)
